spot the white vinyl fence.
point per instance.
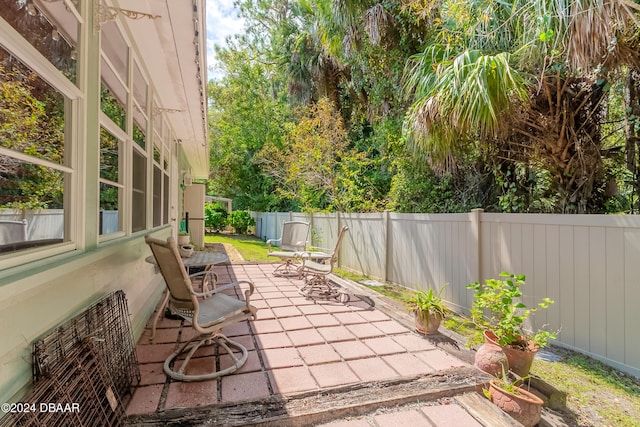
(49, 223)
(588, 264)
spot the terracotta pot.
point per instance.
(524, 407)
(424, 327)
(520, 361)
(490, 358)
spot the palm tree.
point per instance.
(550, 50)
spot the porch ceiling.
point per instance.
(173, 48)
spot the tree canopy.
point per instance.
(421, 106)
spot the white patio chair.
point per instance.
(207, 312)
(294, 239)
(316, 266)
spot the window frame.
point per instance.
(13, 42)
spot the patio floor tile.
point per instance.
(413, 342)
(372, 369)
(295, 323)
(315, 354)
(271, 294)
(281, 312)
(390, 327)
(163, 336)
(336, 333)
(154, 353)
(407, 364)
(145, 399)
(347, 423)
(365, 330)
(192, 394)
(279, 302)
(280, 357)
(411, 418)
(333, 374)
(273, 340)
(442, 415)
(304, 337)
(290, 380)
(240, 328)
(152, 373)
(312, 309)
(439, 360)
(373, 315)
(352, 350)
(384, 345)
(349, 318)
(251, 365)
(266, 326)
(322, 320)
(252, 385)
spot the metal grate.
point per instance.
(107, 323)
(77, 392)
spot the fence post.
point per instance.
(476, 219)
(386, 245)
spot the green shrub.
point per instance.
(215, 216)
(240, 221)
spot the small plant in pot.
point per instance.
(428, 309)
(522, 405)
(183, 238)
(500, 315)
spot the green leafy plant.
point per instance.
(426, 301)
(215, 216)
(240, 221)
(497, 307)
(506, 383)
(183, 233)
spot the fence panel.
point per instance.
(588, 264)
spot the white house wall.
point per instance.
(35, 303)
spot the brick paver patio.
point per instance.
(298, 345)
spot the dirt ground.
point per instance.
(227, 249)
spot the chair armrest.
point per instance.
(209, 275)
(248, 292)
(270, 241)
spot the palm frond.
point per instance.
(594, 30)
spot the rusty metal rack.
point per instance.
(77, 392)
(88, 361)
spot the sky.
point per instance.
(222, 21)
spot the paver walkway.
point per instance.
(298, 345)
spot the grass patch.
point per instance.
(252, 248)
(609, 397)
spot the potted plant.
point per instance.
(500, 315)
(522, 405)
(183, 238)
(428, 309)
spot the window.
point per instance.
(111, 187)
(139, 192)
(35, 174)
(51, 28)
